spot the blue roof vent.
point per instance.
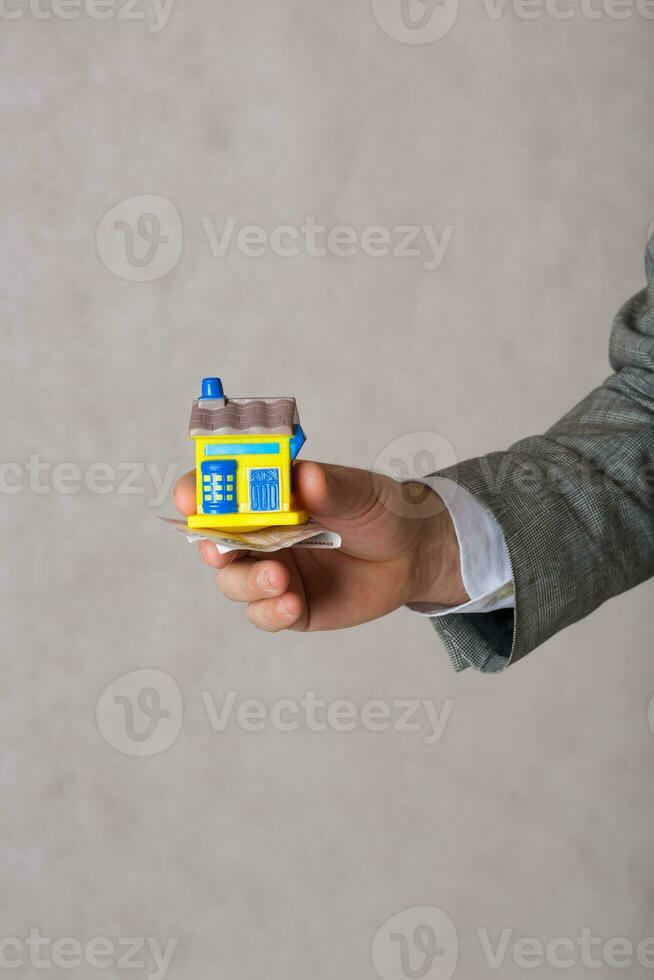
(212, 388)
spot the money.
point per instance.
(311, 535)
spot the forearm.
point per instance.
(576, 504)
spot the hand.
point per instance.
(398, 545)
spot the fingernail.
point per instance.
(209, 549)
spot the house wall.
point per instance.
(246, 462)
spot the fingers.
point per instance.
(262, 584)
(211, 556)
(250, 581)
(273, 615)
(184, 494)
(332, 491)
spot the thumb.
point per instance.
(332, 491)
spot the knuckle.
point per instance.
(225, 583)
(264, 582)
(258, 617)
(257, 579)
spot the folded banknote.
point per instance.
(311, 535)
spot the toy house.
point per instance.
(244, 451)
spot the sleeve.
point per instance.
(575, 505)
(485, 565)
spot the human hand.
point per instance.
(398, 545)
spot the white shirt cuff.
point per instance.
(485, 563)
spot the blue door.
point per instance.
(264, 489)
(219, 487)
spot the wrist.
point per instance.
(437, 568)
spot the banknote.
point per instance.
(310, 535)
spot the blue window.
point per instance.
(240, 448)
(219, 487)
(264, 489)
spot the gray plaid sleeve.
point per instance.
(576, 505)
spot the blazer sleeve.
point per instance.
(576, 505)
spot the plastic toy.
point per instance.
(244, 450)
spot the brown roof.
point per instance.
(244, 415)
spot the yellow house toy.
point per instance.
(244, 450)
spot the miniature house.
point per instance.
(244, 450)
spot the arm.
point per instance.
(576, 505)
(575, 508)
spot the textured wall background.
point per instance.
(280, 854)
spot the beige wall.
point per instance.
(280, 854)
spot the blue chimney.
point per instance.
(212, 388)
